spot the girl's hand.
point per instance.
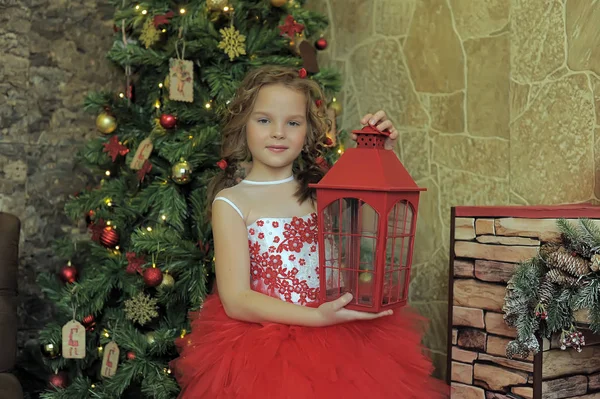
(334, 312)
(380, 121)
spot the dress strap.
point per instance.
(232, 205)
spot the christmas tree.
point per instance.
(124, 293)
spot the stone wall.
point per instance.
(488, 96)
(53, 53)
(486, 252)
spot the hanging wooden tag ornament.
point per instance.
(73, 340)
(110, 360)
(309, 56)
(181, 76)
(141, 154)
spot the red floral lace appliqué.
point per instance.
(267, 268)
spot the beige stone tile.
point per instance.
(383, 82)
(479, 18)
(596, 89)
(348, 30)
(447, 112)
(583, 38)
(463, 188)
(427, 238)
(488, 157)
(415, 153)
(518, 95)
(498, 378)
(597, 162)
(488, 72)
(556, 130)
(437, 333)
(431, 280)
(433, 50)
(537, 39)
(392, 17)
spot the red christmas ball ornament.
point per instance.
(59, 380)
(168, 121)
(109, 237)
(130, 355)
(89, 322)
(153, 276)
(321, 44)
(68, 273)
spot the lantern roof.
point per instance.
(369, 166)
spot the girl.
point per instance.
(262, 333)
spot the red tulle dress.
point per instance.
(223, 358)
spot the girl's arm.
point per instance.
(232, 261)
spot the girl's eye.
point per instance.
(263, 120)
(294, 123)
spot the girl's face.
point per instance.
(276, 129)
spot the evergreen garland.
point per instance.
(545, 292)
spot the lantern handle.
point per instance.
(368, 129)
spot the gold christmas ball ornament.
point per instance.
(106, 123)
(181, 172)
(168, 281)
(278, 3)
(365, 277)
(336, 106)
(215, 5)
(50, 351)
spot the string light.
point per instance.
(157, 103)
(117, 247)
(207, 105)
(107, 173)
(149, 228)
(164, 217)
(144, 12)
(108, 223)
(182, 10)
(137, 7)
(160, 85)
(225, 8)
(164, 30)
(100, 349)
(108, 202)
(122, 95)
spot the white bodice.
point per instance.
(284, 259)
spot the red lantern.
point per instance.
(367, 213)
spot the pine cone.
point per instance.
(578, 246)
(548, 249)
(567, 262)
(561, 278)
(546, 291)
(595, 266)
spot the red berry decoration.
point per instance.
(153, 276)
(68, 273)
(89, 322)
(109, 237)
(130, 355)
(321, 44)
(168, 121)
(59, 380)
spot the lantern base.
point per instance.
(373, 359)
(364, 302)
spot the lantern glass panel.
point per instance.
(400, 234)
(350, 236)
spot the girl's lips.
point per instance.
(277, 148)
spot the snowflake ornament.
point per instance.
(233, 42)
